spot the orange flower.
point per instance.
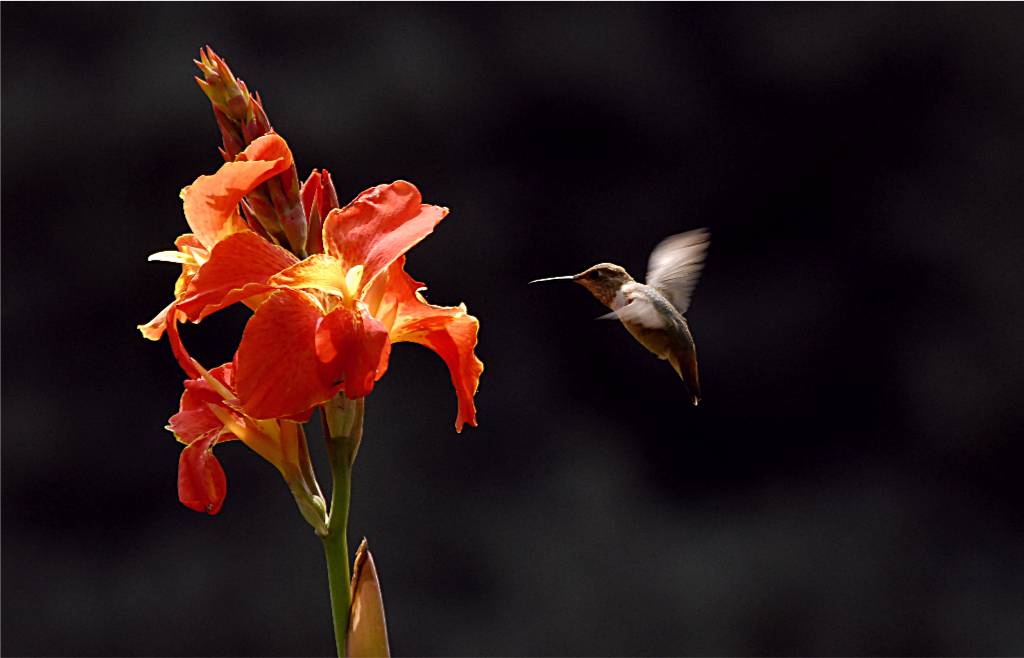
(324, 324)
(330, 323)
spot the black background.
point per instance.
(851, 483)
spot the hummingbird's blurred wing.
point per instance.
(675, 266)
(633, 306)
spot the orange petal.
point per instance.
(188, 243)
(154, 329)
(211, 202)
(381, 224)
(352, 348)
(190, 424)
(277, 365)
(186, 362)
(201, 481)
(194, 418)
(238, 268)
(448, 330)
(319, 272)
(189, 252)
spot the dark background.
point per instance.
(851, 483)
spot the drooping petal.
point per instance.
(352, 349)
(378, 227)
(211, 202)
(278, 371)
(238, 268)
(454, 341)
(186, 362)
(448, 330)
(201, 481)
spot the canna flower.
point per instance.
(325, 324)
(329, 296)
(329, 323)
(208, 415)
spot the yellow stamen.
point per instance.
(214, 383)
(173, 257)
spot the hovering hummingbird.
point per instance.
(653, 312)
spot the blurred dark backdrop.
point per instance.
(851, 483)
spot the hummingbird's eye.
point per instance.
(596, 274)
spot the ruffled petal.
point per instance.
(190, 424)
(211, 202)
(278, 371)
(448, 330)
(353, 349)
(194, 418)
(202, 484)
(238, 268)
(378, 227)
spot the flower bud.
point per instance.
(318, 198)
(275, 205)
(367, 630)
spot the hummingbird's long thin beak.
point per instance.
(569, 277)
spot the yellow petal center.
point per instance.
(353, 278)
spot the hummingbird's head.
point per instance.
(603, 280)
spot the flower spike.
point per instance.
(240, 116)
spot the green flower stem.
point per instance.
(343, 430)
(336, 552)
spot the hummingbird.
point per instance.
(653, 311)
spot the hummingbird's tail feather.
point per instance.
(685, 364)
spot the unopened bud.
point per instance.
(275, 205)
(318, 199)
(367, 629)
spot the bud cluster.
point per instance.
(273, 209)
